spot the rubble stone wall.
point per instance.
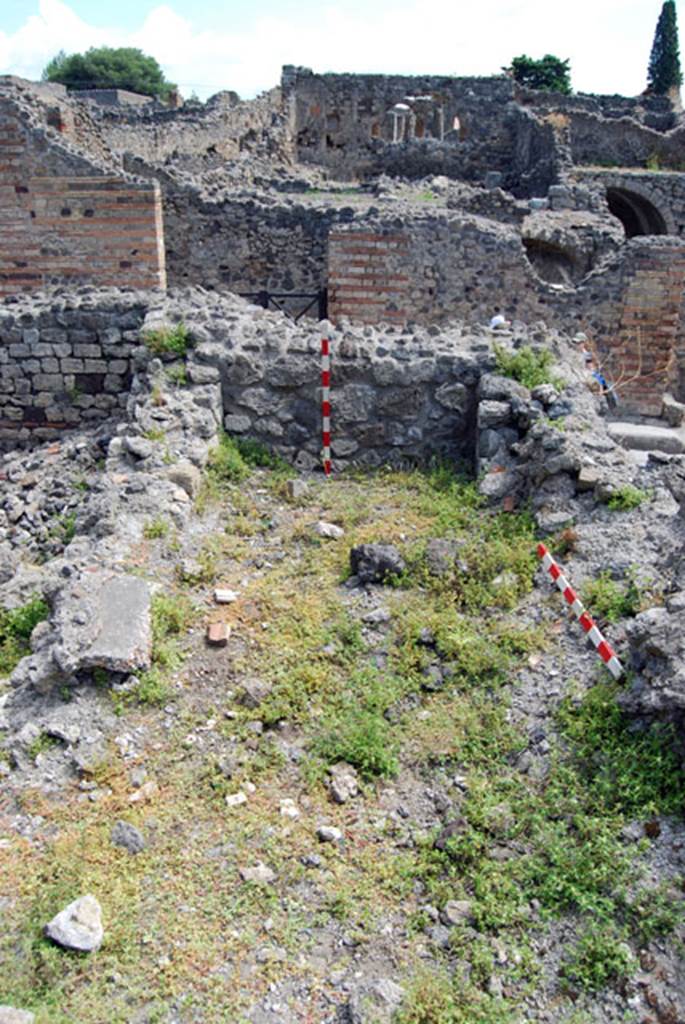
(64, 363)
(622, 142)
(65, 221)
(432, 268)
(199, 136)
(243, 244)
(436, 269)
(345, 122)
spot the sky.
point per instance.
(208, 45)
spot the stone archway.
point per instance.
(638, 214)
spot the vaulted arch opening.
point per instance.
(637, 214)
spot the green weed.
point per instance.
(41, 745)
(527, 366)
(156, 528)
(63, 528)
(177, 375)
(601, 957)
(16, 627)
(174, 340)
(627, 497)
(612, 601)
(363, 738)
(156, 434)
(633, 771)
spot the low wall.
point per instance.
(64, 364)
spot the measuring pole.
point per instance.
(326, 403)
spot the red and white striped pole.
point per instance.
(605, 651)
(326, 403)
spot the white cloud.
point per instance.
(608, 43)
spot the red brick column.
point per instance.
(367, 277)
(61, 230)
(642, 355)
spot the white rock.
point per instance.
(329, 834)
(225, 596)
(8, 1015)
(329, 530)
(289, 808)
(236, 799)
(78, 926)
(259, 873)
(343, 783)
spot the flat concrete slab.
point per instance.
(103, 621)
(643, 437)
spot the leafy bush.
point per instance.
(527, 366)
(256, 454)
(362, 737)
(169, 340)
(225, 463)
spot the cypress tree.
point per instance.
(664, 71)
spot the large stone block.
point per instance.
(103, 621)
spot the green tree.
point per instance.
(549, 74)
(663, 73)
(108, 68)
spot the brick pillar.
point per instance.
(642, 355)
(367, 276)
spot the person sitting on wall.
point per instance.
(600, 383)
(499, 321)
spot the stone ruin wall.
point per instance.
(67, 220)
(65, 362)
(434, 270)
(198, 137)
(344, 123)
(69, 360)
(244, 244)
(662, 194)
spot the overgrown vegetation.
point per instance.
(600, 957)
(528, 366)
(419, 700)
(231, 461)
(16, 626)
